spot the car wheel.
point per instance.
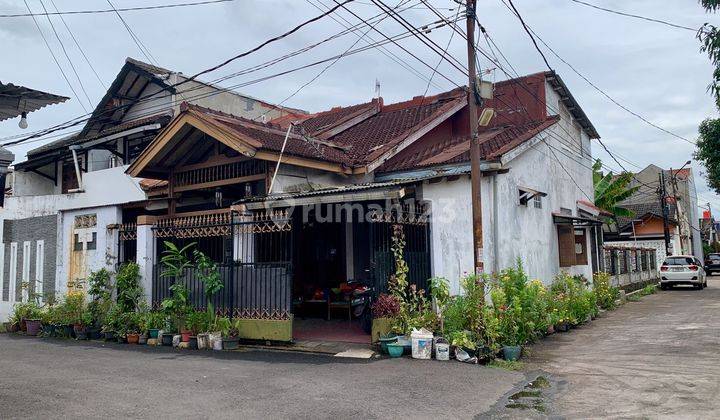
(663, 286)
(699, 286)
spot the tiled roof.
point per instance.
(643, 209)
(494, 142)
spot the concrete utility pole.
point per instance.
(475, 173)
(663, 204)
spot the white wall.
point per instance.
(30, 183)
(451, 239)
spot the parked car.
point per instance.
(682, 269)
(712, 264)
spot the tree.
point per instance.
(709, 37)
(708, 151)
(611, 190)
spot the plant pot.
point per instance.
(68, 331)
(562, 327)
(23, 324)
(395, 350)
(485, 354)
(94, 333)
(380, 328)
(121, 339)
(143, 339)
(48, 330)
(193, 343)
(203, 341)
(405, 342)
(167, 339)
(216, 341)
(185, 336)
(153, 332)
(133, 338)
(384, 341)
(511, 353)
(550, 330)
(80, 332)
(230, 343)
(33, 326)
(109, 335)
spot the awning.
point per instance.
(564, 219)
(14, 100)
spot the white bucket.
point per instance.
(216, 341)
(442, 351)
(422, 343)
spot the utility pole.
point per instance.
(673, 184)
(663, 204)
(473, 99)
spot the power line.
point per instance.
(445, 51)
(62, 46)
(649, 19)
(143, 49)
(114, 10)
(42, 35)
(532, 38)
(605, 94)
(82, 118)
(77, 44)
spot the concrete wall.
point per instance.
(29, 183)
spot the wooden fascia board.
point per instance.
(188, 118)
(222, 133)
(304, 162)
(416, 135)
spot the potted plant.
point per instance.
(196, 322)
(81, 327)
(231, 336)
(47, 319)
(220, 324)
(33, 324)
(154, 323)
(384, 310)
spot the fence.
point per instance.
(631, 267)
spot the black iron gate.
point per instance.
(253, 253)
(416, 229)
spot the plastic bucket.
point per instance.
(422, 343)
(442, 351)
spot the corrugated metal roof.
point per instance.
(14, 100)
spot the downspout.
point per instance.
(74, 148)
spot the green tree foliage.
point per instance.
(708, 151)
(611, 190)
(709, 37)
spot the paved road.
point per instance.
(659, 357)
(62, 379)
(654, 358)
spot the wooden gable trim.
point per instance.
(416, 135)
(307, 163)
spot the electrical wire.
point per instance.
(77, 44)
(57, 63)
(649, 19)
(143, 49)
(72, 65)
(445, 51)
(114, 10)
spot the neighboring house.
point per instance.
(645, 229)
(680, 188)
(709, 228)
(341, 180)
(67, 192)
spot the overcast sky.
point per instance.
(654, 70)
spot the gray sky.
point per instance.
(654, 70)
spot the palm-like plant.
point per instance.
(611, 190)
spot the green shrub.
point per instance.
(648, 290)
(605, 294)
(129, 289)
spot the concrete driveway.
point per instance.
(659, 357)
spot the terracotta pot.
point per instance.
(185, 336)
(133, 338)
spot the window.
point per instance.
(581, 255)
(537, 202)
(77, 245)
(92, 244)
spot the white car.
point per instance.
(682, 269)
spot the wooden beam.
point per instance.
(219, 183)
(214, 161)
(307, 163)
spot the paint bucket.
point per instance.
(422, 343)
(442, 349)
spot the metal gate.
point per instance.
(416, 228)
(253, 253)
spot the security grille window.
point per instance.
(537, 202)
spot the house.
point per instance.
(709, 228)
(681, 198)
(294, 208)
(63, 197)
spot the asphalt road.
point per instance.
(65, 379)
(648, 359)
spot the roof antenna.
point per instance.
(377, 88)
